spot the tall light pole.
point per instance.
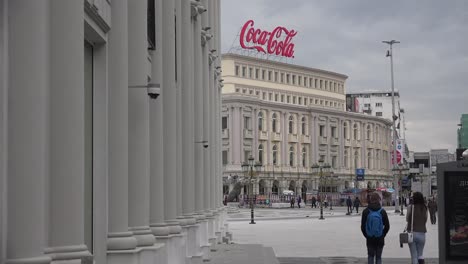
(320, 168)
(248, 168)
(390, 54)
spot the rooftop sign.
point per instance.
(277, 42)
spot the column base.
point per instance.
(174, 227)
(143, 235)
(34, 260)
(121, 241)
(69, 254)
(159, 229)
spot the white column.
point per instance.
(199, 100)
(157, 224)
(179, 83)
(188, 137)
(170, 118)
(68, 133)
(138, 125)
(3, 125)
(28, 130)
(119, 238)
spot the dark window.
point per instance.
(151, 31)
(225, 157)
(224, 122)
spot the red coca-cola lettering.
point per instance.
(276, 42)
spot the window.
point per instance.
(151, 30)
(291, 124)
(377, 160)
(287, 78)
(257, 93)
(225, 157)
(276, 76)
(333, 132)
(270, 95)
(316, 81)
(282, 77)
(294, 99)
(378, 104)
(264, 96)
(224, 122)
(294, 79)
(322, 158)
(250, 91)
(345, 130)
(291, 156)
(276, 97)
(260, 154)
(366, 105)
(333, 162)
(237, 70)
(250, 72)
(356, 159)
(355, 134)
(322, 130)
(269, 75)
(243, 71)
(377, 136)
(246, 155)
(263, 74)
(368, 132)
(273, 122)
(378, 113)
(247, 122)
(321, 84)
(369, 160)
(275, 155)
(288, 99)
(304, 157)
(256, 73)
(299, 80)
(304, 124)
(345, 163)
(300, 100)
(260, 121)
(282, 98)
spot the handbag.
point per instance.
(407, 237)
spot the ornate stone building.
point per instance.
(288, 117)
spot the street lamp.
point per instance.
(248, 168)
(401, 169)
(390, 54)
(320, 168)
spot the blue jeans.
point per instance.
(417, 247)
(374, 251)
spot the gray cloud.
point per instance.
(431, 63)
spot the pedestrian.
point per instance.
(298, 201)
(374, 227)
(349, 203)
(325, 201)
(416, 217)
(357, 203)
(314, 202)
(292, 201)
(432, 206)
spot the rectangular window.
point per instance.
(264, 96)
(250, 91)
(237, 70)
(246, 155)
(322, 130)
(294, 99)
(321, 84)
(300, 100)
(263, 74)
(269, 75)
(287, 78)
(333, 162)
(250, 72)
(333, 132)
(151, 30)
(276, 97)
(288, 99)
(282, 98)
(243, 71)
(316, 83)
(224, 122)
(282, 77)
(276, 76)
(256, 73)
(225, 157)
(294, 79)
(366, 105)
(378, 104)
(299, 80)
(378, 113)
(270, 96)
(246, 122)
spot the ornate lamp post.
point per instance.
(402, 169)
(248, 169)
(319, 169)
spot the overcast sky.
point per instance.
(430, 64)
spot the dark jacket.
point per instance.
(375, 240)
(420, 218)
(349, 202)
(357, 202)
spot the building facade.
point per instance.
(100, 157)
(288, 117)
(462, 132)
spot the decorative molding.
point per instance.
(100, 12)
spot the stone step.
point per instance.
(242, 254)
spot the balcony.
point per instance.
(335, 141)
(225, 133)
(263, 135)
(276, 136)
(292, 138)
(323, 140)
(248, 133)
(305, 139)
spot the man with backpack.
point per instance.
(374, 227)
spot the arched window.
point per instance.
(291, 124)
(369, 160)
(260, 121)
(377, 160)
(368, 135)
(291, 156)
(345, 130)
(355, 132)
(304, 157)
(377, 136)
(345, 158)
(303, 125)
(356, 159)
(260, 153)
(273, 122)
(275, 155)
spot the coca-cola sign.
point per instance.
(277, 42)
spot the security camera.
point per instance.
(154, 90)
(205, 145)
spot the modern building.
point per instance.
(288, 117)
(462, 132)
(101, 160)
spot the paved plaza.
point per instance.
(298, 236)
